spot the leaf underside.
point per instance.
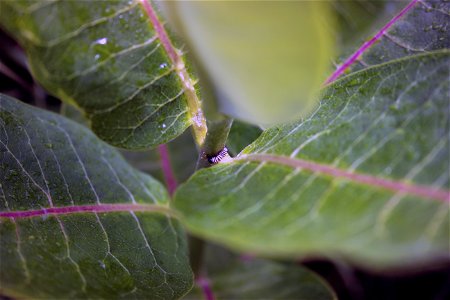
(48, 161)
(104, 57)
(423, 29)
(262, 279)
(389, 122)
(234, 277)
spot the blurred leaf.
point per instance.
(365, 177)
(265, 59)
(241, 135)
(104, 57)
(263, 279)
(76, 221)
(233, 277)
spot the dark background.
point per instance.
(348, 282)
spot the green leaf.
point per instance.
(233, 277)
(422, 29)
(364, 178)
(241, 135)
(107, 58)
(265, 60)
(182, 152)
(263, 279)
(76, 221)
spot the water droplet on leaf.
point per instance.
(102, 41)
(102, 265)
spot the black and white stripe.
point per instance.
(218, 157)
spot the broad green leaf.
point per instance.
(265, 59)
(364, 178)
(76, 221)
(107, 58)
(232, 277)
(182, 152)
(422, 29)
(263, 279)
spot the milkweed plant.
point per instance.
(211, 149)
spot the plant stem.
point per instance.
(166, 167)
(215, 140)
(217, 135)
(205, 285)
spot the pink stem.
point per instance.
(205, 285)
(368, 44)
(169, 177)
(98, 208)
(12, 75)
(246, 257)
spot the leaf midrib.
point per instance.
(96, 208)
(366, 45)
(397, 186)
(346, 77)
(193, 102)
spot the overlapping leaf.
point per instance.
(364, 177)
(182, 152)
(106, 58)
(232, 277)
(76, 221)
(241, 135)
(265, 60)
(262, 279)
(424, 28)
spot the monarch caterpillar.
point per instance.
(218, 157)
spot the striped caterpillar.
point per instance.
(218, 157)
